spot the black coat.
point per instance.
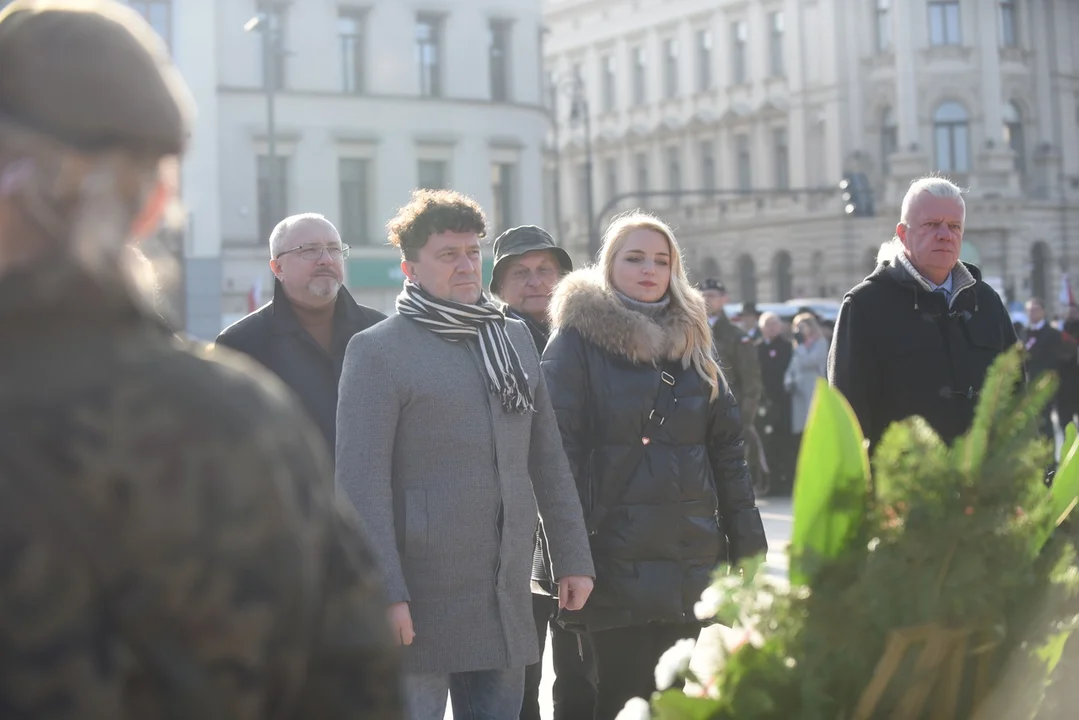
(1045, 350)
(774, 357)
(899, 349)
(273, 336)
(689, 504)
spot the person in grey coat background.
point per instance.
(446, 443)
(809, 361)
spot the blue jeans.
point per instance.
(476, 695)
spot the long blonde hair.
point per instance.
(684, 297)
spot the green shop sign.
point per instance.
(385, 272)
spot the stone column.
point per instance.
(995, 170)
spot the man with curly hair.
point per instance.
(446, 444)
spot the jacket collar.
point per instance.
(583, 301)
(897, 266)
(59, 295)
(346, 311)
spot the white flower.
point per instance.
(674, 663)
(709, 604)
(635, 709)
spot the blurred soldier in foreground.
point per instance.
(169, 544)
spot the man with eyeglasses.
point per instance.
(301, 334)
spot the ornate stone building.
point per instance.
(768, 101)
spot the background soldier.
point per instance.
(738, 358)
(169, 543)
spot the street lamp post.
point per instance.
(580, 111)
(266, 24)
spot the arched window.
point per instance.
(781, 269)
(1013, 134)
(951, 135)
(889, 137)
(747, 278)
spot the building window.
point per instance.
(640, 70)
(708, 165)
(781, 153)
(944, 23)
(889, 138)
(1008, 16)
(157, 12)
(504, 193)
(884, 25)
(608, 83)
(354, 180)
(951, 135)
(431, 174)
(674, 173)
(350, 25)
(775, 43)
(429, 54)
(742, 157)
(739, 38)
(273, 206)
(704, 60)
(670, 68)
(1013, 135)
(499, 56)
(640, 172)
(610, 174)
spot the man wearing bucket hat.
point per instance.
(527, 267)
(169, 537)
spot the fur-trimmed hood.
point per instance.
(583, 301)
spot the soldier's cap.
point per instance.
(750, 308)
(712, 284)
(520, 240)
(93, 75)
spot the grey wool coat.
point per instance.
(447, 483)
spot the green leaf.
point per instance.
(1070, 435)
(833, 468)
(1053, 649)
(676, 705)
(1065, 488)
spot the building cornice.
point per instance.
(382, 97)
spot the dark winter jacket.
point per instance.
(1045, 350)
(273, 336)
(899, 349)
(689, 503)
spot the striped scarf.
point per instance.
(456, 321)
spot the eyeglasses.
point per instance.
(314, 252)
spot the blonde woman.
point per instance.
(654, 439)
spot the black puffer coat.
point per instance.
(689, 504)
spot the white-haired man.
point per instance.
(918, 335)
(301, 334)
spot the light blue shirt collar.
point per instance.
(947, 285)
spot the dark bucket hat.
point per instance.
(520, 240)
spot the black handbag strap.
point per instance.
(611, 492)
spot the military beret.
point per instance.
(712, 284)
(93, 75)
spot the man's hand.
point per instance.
(573, 591)
(401, 622)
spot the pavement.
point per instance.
(777, 517)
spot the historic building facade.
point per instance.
(371, 99)
(767, 104)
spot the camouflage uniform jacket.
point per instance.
(738, 358)
(197, 478)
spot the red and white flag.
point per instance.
(254, 295)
